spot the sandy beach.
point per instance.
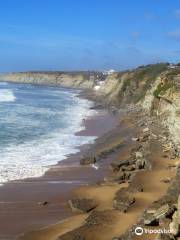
(21, 202)
(112, 222)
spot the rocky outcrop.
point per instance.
(82, 205)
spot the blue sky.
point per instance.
(87, 34)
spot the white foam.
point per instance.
(7, 95)
(33, 158)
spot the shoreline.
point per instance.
(23, 197)
(106, 222)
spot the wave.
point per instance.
(33, 158)
(7, 95)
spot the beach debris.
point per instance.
(82, 205)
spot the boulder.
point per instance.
(119, 176)
(136, 187)
(166, 236)
(117, 164)
(135, 139)
(162, 211)
(175, 224)
(140, 164)
(145, 130)
(123, 200)
(149, 219)
(128, 168)
(89, 159)
(138, 155)
(82, 205)
(174, 228)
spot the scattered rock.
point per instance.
(43, 203)
(138, 155)
(140, 163)
(117, 164)
(174, 228)
(162, 211)
(145, 130)
(89, 159)
(135, 187)
(123, 200)
(164, 236)
(119, 176)
(149, 219)
(166, 180)
(82, 205)
(135, 139)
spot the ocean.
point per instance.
(37, 128)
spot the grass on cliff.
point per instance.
(162, 88)
(141, 80)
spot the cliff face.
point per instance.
(154, 87)
(83, 80)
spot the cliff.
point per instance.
(156, 88)
(83, 80)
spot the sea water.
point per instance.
(37, 128)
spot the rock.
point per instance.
(174, 228)
(117, 164)
(149, 219)
(89, 159)
(98, 218)
(166, 180)
(74, 235)
(140, 163)
(43, 203)
(138, 155)
(129, 168)
(162, 211)
(145, 130)
(144, 138)
(164, 222)
(175, 224)
(135, 187)
(134, 139)
(82, 205)
(166, 236)
(119, 176)
(123, 200)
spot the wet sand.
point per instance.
(21, 207)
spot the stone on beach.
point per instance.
(123, 200)
(82, 205)
(88, 159)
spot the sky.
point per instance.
(87, 34)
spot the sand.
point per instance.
(154, 188)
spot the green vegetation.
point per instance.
(140, 81)
(162, 88)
